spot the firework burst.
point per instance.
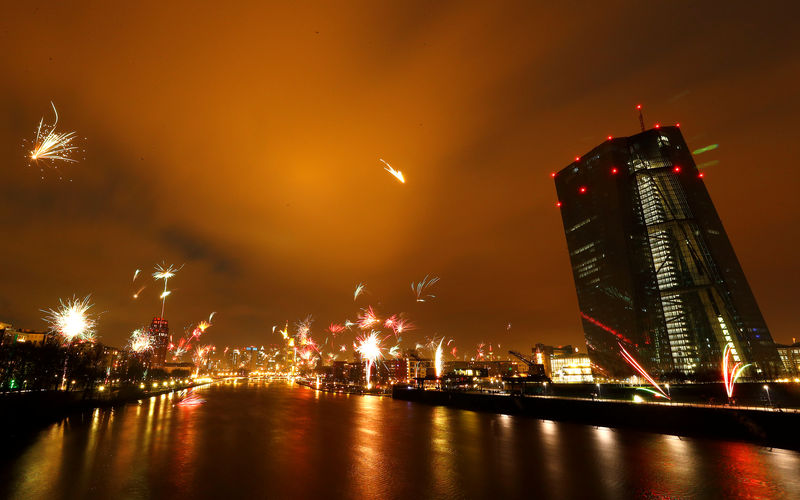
(398, 324)
(140, 341)
(72, 320)
(52, 145)
(164, 272)
(369, 347)
(367, 319)
(335, 328)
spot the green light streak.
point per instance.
(710, 147)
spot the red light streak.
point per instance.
(636, 366)
(604, 327)
(730, 373)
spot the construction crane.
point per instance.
(534, 369)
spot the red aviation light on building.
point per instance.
(701, 175)
(658, 125)
(552, 174)
(677, 169)
(577, 158)
(638, 106)
(558, 204)
(582, 189)
(678, 125)
(614, 170)
(609, 138)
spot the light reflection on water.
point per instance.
(258, 440)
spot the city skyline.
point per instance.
(292, 208)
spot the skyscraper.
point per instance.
(159, 334)
(653, 267)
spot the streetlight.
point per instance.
(769, 398)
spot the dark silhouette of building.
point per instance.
(159, 334)
(653, 267)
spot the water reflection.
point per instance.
(272, 440)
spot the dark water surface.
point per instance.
(259, 440)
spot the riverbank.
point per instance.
(772, 428)
(30, 409)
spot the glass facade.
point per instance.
(653, 267)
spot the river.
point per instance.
(261, 440)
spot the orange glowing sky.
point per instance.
(244, 142)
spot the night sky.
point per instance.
(243, 142)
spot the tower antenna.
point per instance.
(641, 118)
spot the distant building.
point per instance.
(790, 356)
(571, 368)
(563, 364)
(159, 334)
(542, 354)
(653, 267)
(12, 335)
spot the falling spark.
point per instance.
(730, 374)
(136, 295)
(135, 274)
(360, 288)
(369, 346)
(421, 287)
(438, 362)
(71, 320)
(211, 316)
(396, 173)
(636, 366)
(50, 145)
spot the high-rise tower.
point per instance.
(653, 267)
(159, 335)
